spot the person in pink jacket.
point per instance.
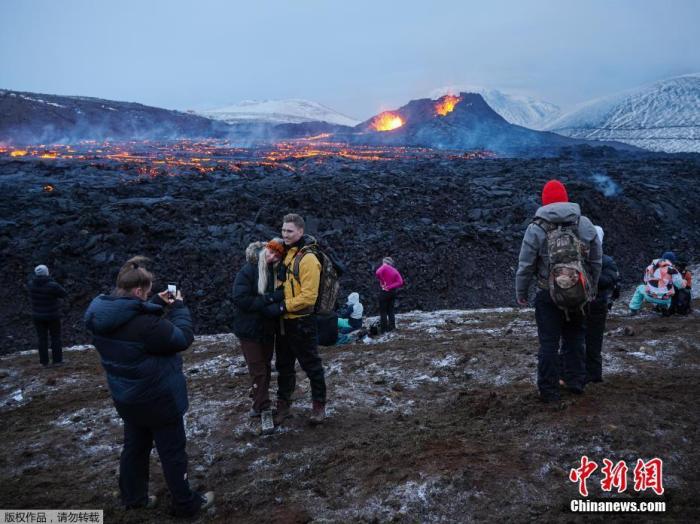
(390, 281)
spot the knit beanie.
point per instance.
(670, 256)
(41, 271)
(554, 191)
(276, 244)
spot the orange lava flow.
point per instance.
(387, 121)
(446, 104)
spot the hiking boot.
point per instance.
(253, 413)
(150, 502)
(207, 500)
(284, 411)
(318, 412)
(633, 312)
(267, 422)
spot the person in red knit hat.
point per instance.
(556, 327)
(553, 192)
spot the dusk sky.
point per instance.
(357, 57)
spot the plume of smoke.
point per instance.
(605, 184)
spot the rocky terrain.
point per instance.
(436, 422)
(453, 225)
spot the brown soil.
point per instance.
(438, 422)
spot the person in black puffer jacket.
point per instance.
(139, 344)
(608, 291)
(257, 306)
(45, 294)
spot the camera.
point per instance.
(172, 289)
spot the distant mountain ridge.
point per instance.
(661, 116)
(41, 118)
(292, 111)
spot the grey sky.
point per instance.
(355, 56)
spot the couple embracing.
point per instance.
(274, 295)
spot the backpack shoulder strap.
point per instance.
(299, 255)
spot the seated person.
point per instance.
(661, 279)
(350, 315)
(682, 298)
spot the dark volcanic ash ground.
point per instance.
(453, 225)
(437, 422)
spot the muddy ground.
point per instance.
(438, 422)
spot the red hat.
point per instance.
(554, 191)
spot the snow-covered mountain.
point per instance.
(292, 111)
(662, 116)
(521, 110)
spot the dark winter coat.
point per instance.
(45, 294)
(254, 314)
(609, 278)
(139, 349)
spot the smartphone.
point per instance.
(172, 289)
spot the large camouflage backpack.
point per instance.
(569, 283)
(328, 285)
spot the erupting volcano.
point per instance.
(387, 121)
(446, 104)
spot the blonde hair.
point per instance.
(133, 274)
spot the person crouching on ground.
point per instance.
(45, 294)
(390, 281)
(350, 315)
(661, 279)
(257, 306)
(139, 344)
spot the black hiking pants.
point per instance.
(555, 332)
(299, 342)
(386, 310)
(595, 328)
(44, 328)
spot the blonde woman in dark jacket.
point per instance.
(258, 304)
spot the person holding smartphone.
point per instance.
(139, 342)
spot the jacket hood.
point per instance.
(106, 312)
(252, 252)
(560, 212)
(353, 298)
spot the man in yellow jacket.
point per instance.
(299, 336)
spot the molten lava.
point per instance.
(446, 104)
(387, 121)
(19, 152)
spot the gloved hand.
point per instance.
(274, 310)
(275, 296)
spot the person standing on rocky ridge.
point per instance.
(390, 281)
(557, 327)
(257, 304)
(139, 342)
(45, 294)
(299, 332)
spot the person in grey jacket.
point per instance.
(554, 327)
